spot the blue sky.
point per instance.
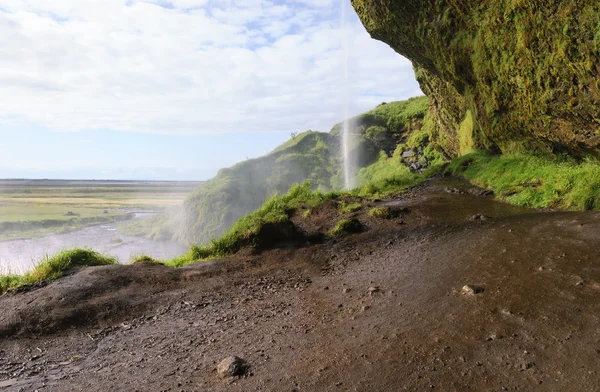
(156, 89)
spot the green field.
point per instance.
(33, 208)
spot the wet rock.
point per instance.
(232, 367)
(410, 153)
(470, 289)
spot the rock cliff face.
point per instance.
(504, 75)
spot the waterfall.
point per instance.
(346, 131)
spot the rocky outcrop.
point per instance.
(505, 75)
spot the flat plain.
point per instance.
(34, 208)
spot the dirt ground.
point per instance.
(382, 310)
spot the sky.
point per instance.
(177, 89)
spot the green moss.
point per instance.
(418, 139)
(345, 227)
(381, 213)
(465, 135)
(525, 70)
(144, 259)
(346, 208)
(54, 267)
(534, 181)
(384, 168)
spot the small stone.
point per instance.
(527, 365)
(580, 283)
(472, 290)
(374, 289)
(346, 290)
(232, 367)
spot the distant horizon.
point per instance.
(95, 180)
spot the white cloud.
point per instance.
(188, 66)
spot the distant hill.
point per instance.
(311, 156)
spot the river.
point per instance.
(18, 256)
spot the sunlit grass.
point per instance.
(54, 267)
(534, 181)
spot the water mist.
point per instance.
(346, 131)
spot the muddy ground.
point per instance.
(378, 311)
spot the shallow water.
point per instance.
(17, 256)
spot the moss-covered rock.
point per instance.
(503, 75)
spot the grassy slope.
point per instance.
(312, 156)
(534, 181)
(54, 267)
(218, 203)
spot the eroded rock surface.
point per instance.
(500, 75)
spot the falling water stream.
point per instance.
(346, 134)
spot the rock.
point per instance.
(450, 74)
(527, 365)
(409, 153)
(374, 289)
(232, 367)
(472, 289)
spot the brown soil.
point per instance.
(378, 311)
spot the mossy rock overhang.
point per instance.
(526, 71)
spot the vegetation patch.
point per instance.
(382, 213)
(54, 267)
(144, 259)
(346, 208)
(534, 181)
(346, 227)
(525, 71)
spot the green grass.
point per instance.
(277, 211)
(143, 258)
(534, 181)
(54, 267)
(345, 227)
(346, 208)
(381, 212)
(465, 135)
(389, 176)
(418, 139)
